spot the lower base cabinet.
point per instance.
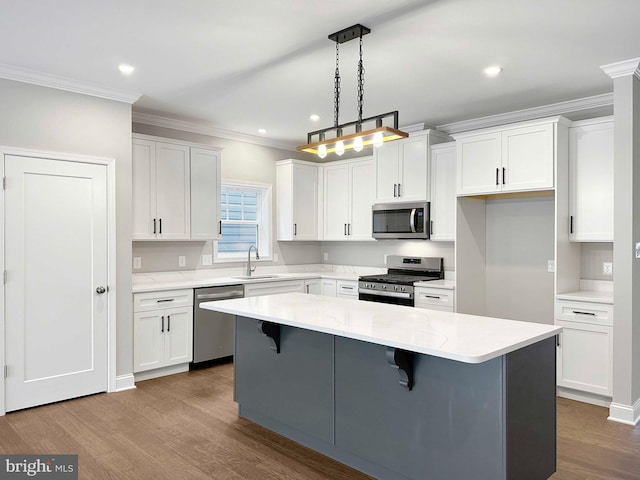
(434, 298)
(585, 347)
(162, 335)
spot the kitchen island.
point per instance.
(399, 392)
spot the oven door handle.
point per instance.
(386, 294)
(412, 220)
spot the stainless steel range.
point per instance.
(396, 286)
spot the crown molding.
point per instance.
(24, 75)
(623, 69)
(204, 129)
(561, 108)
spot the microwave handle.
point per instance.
(412, 220)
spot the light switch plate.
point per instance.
(637, 249)
(182, 260)
(137, 262)
(551, 266)
(207, 260)
(325, 255)
(607, 268)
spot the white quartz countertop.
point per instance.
(456, 336)
(587, 296)
(444, 284)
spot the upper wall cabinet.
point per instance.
(443, 192)
(514, 158)
(591, 180)
(176, 190)
(297, 200)
(402, 168)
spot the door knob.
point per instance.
(101, 290)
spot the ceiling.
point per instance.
(238, 66)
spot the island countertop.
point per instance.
(455, 336)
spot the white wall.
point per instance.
(41, 118)
(240, 161)
(591, 259)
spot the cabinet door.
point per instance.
(328, 287)
(591, 182)
(205, 194)
(443, 193)
(336, 202)
(312, 286)
(148, 340)
(143, 189)
(478, 164)
(387, 158)
(585, 357)
(178, 337)
(305, 202)
(362, 182)
(527, 158)
(172, 191)
(413, 181)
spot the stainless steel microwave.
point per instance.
(401, 220)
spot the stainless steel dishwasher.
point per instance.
(213, 332)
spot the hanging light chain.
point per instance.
(336, 88)
(360, 84)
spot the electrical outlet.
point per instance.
(551, 266)
(137, 262)
(182, 260)
(607, 268)
(325, 255)
(207, 260)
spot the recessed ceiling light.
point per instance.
(126, 69)
(314, 117)
(493, 71)
(262, 131)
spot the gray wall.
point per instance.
(592, 256)
(520, 241)
(41, 118)
(240, 161)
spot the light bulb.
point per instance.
(357, 144)
(339, 148)
(377, 139)
(322, 151)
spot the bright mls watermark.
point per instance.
(51, 467)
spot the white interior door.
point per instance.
(55, 258)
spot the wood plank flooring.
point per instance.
(186, 426)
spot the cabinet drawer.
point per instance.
(585, 312)
(347, 287)
(426, 297)
(144, 302)
(271, 288)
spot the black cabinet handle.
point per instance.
(399, 187)
(577, 312)
(154, 226)
(348, 229)
(295, 229)
(558, 340)
(431, 227)
(168, 323)
(345, 228)
(497, 173)
(220, 227)
(432, 296)
(160, 227)
(503, 174)
(571, 224)
(395, 190)
(162, 324)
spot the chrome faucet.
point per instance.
(249, 269)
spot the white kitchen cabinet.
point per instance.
(434, 298)
(348, 197)
(443, 192)
(516, 158)
(271, 288)
(347, 289)
(312, 285)
(175, 191)
(205, 194)
(591, 180)
(402, 168)
(297, 200)
(585, 346)
(162, 329)
(328, 287)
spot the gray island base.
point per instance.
(350, 400)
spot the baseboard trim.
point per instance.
(585, 397)
(161, 372)
(629, 415)
(125, 382)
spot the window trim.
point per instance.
(265, 223)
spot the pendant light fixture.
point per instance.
(339, 143)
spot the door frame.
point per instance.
(111, 253)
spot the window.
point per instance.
(246, 220)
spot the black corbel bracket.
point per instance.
(403, 361)
(272, 331)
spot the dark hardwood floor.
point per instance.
(186, 426)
